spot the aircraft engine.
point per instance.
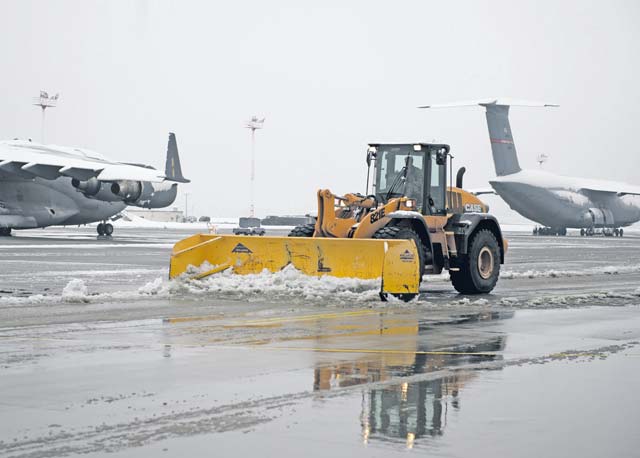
(95, 189)
(91, 187)
(598, 217)
(145, 194)
(129, 191)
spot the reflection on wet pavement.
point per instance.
(408, 372)
(411, 410)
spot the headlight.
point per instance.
(410, 203)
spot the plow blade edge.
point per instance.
(394, 262)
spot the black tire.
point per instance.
(306, 230)
(5, 231)
(404, 233)
(108, 229)
(405, 297)
(480, 268)
(100, 229)
(621, 232)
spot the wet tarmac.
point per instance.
(101, 355)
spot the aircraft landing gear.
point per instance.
(5, 231)
(588, 232)
(550, 231)
(105, 229)
(606, 231)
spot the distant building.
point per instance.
(162, 216)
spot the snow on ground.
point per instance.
(552, 273)
(293, 286)
(288, 283)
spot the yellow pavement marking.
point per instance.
(186, 319)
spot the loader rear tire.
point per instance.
(305, 230)
(480, 267)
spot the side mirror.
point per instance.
(371, 155)
(441, 156)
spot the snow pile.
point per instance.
(467, 301)
(509, 301)
(36, 299)
(289, 282)
(552, 273)
(76, 291)
(593, 298)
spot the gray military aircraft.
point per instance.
(554, 201)
(47, 185)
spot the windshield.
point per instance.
(391, 163)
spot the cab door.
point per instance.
(435, 188)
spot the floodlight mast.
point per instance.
(45, 101)
(254, 124)
(541, 159)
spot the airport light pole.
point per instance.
(45, 101)
(254, 124)
(541, 159)
(186, 205)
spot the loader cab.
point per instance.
(414, 170)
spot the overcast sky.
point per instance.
(329, 78)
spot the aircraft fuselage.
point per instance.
(557, 201)
(31, 203)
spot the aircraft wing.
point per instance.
(491, 101)
(619, 189)
(30, 160)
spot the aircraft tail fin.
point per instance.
(173, 170)
(505, 158)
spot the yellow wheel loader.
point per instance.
(410, 224)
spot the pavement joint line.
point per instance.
(382, 351)
(333, 350)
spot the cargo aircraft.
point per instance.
(554, 201)
(47, 185)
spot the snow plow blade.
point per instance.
(394, 262)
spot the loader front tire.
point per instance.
(403, 233)
(480, 267)
(305, 230)
(406, 233)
